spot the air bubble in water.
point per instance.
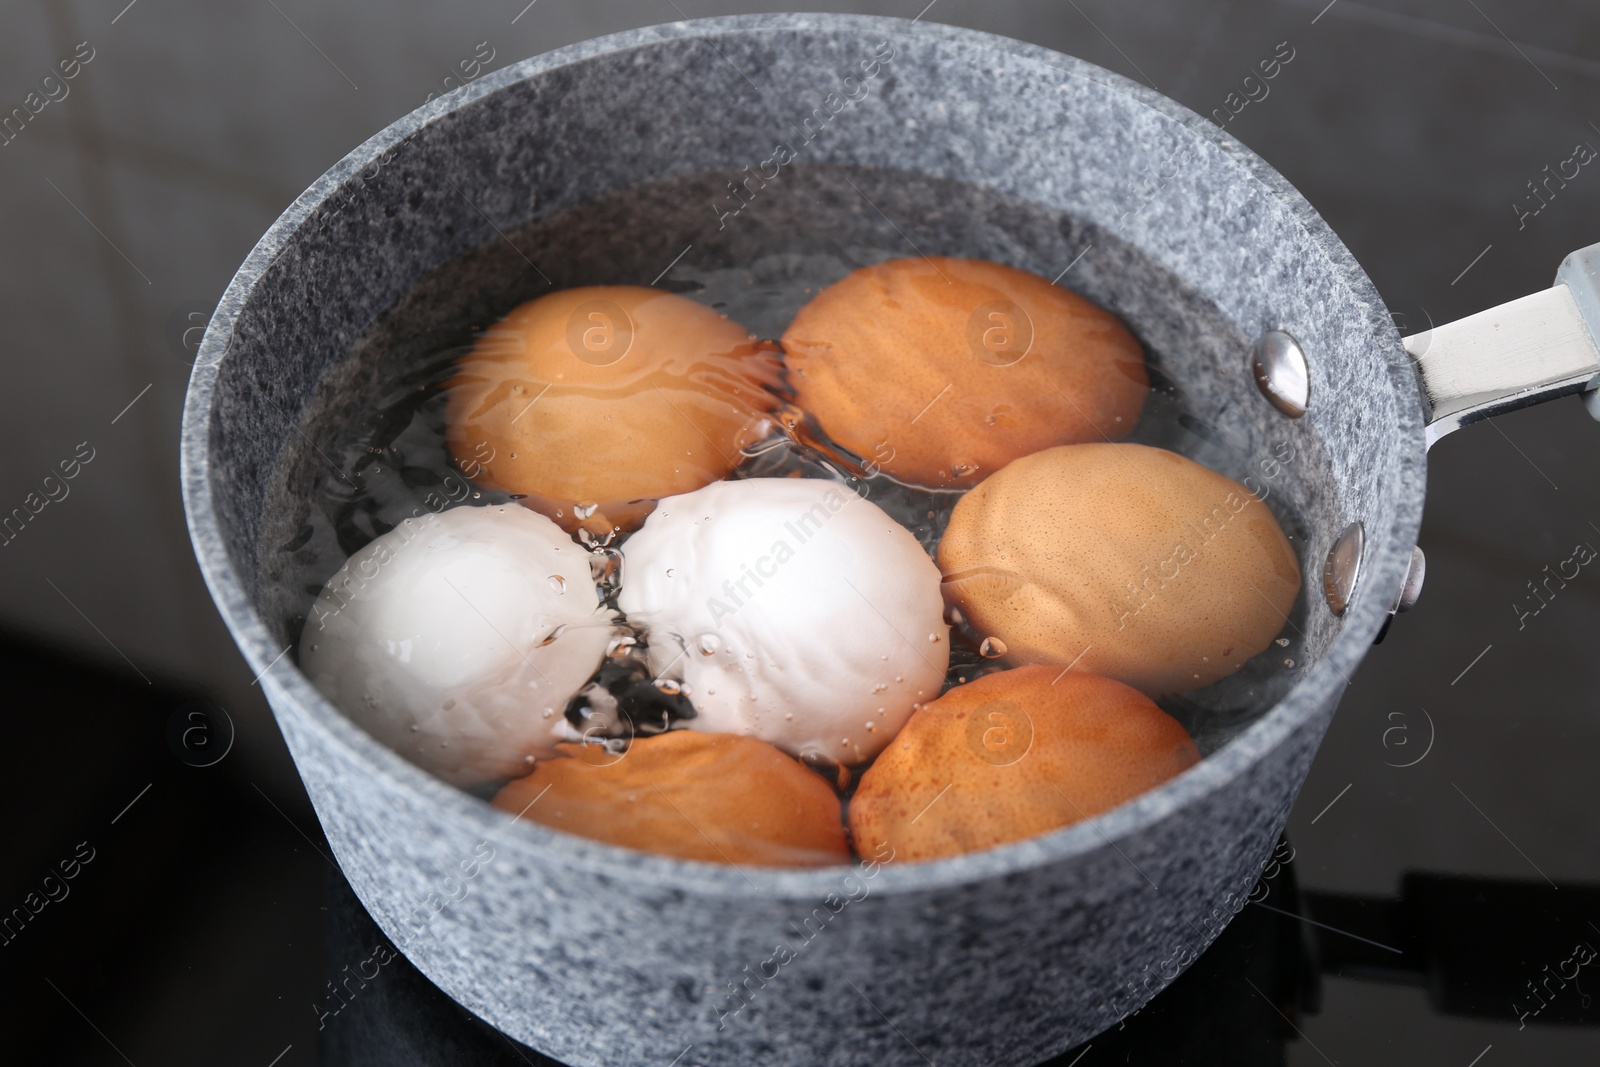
(709, 644)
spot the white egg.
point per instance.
(457, 639)
(792, 610)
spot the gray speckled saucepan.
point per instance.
(952, 142)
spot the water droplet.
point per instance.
(669, 686)
(583, 511)
(992, 648)
(1282, 642)
(899, 677)
(557, 632)
(871, 726)
(605, 568)
(558, 583)
(415, 727)
(548, 712)
(880, 687)
(527, 761)
(669, 572)
(786, 715)
(1288, 663)
(621, 646)
(961, 470)
(709, 644)
(933, 639)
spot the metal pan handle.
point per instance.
(1524, 352)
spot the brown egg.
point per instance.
(595, 402)
(1126, 560)
(1013, 755)
(941, 371)
(720, 798)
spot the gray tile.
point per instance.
(83, 340)
(281, 90)
(26, 54)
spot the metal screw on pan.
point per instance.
(1343, 569)
(1281, 372)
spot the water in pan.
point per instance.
(381, 453)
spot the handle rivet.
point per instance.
(1411, 588)
(1281, 372)
(1343, 569)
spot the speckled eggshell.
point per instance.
(595, 402)
(718, 798)
(1013, 755)
(1125, 560)
(940, 371)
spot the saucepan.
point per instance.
(957, 143)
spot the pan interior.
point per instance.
(379, 421)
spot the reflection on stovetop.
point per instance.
(1511, 952)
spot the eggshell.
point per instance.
(1013, 755)
(940, 371)
(457, 639)
(793, 610)
(717, 798)
(594, 402)
(1126, 560)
